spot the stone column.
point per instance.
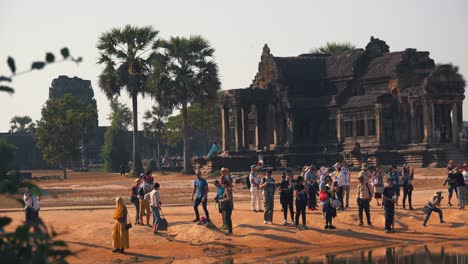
(290, 130)
(354, 128)
(275, 129)
(432, 129)
(366, 128)
(378, 124)
(225, 127)
(338, 126)
(426, 121)
(412, 123)
(245, 126)
(238, 128)
(455, 125)
(259, 127)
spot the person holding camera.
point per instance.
(267, 184)
(431, 206)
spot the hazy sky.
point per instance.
(236, 29)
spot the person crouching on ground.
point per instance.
(31, 209)
(286, 197)
(155, 206)
(431, 206)
(389, 199)
(219, 195)
(301, 201)
(328, 209)
(364, 196)
(227, 204)
(200, 187)
(267, 184)
(120, 238)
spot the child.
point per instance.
(431, 206)
(219, 195)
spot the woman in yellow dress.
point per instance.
(120, 239)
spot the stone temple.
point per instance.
(364, 105)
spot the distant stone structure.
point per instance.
(365, 105)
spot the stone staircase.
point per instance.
(451, 152)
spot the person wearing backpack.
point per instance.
(256, 194)
(364, 196)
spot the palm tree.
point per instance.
(22, 124)
(186, 72)
(333, 48)
(126, 54)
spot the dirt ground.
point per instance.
(81, 208)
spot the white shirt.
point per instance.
(255, 178)
(31, 201)
(154, 198)
(345, 176)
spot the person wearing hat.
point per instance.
(389, 199)
(255, 193)
(310, 177)
(365, 172)
(286, 195)
(364, 196)
(267, 184)
(431, 206)
(408, 176)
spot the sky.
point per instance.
(236, 29)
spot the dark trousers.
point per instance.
(269, 205)
(312, 195)
(389, 215)
(340, 196)
(363, 205)
(196, 203)
(227, 213)
(136, 203)
(437, 210)
(451, 190)
(32, 218)
(288, 204)
(300, 210)
(407, 192)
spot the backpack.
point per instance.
(247, 182)
(323, 196)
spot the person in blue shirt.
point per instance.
(200, 187)
(213, 151)
(219, 196)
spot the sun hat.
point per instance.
(337, 165)
(364, 166)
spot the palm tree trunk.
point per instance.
(187, 160)
(64, 167)
(136, 159)
(158, 160)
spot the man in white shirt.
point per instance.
(31, 209)
(155, 203)
(256, 194)
(346, 177)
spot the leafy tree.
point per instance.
(153, 128)
(36, 65)
(65, 126)
(22, 124)
(7, 152)
(333, 48)
(114, 150)
(127, 54)
(186, 72)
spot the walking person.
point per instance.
(144, 189)
(135, 201)
(431, 206)
(451, 181)
(155, 206)
(346, 178)
(267, 184)
(200, 187)
(377, 179)
(255, 193)
(394, 176)
(31, 209)
(408, 177)
(328, 209)
(120, 237)
(310, 177)
(389, 199)
(227, 205)
(287, 196)
(301, 201)
(219, 196)
(364, 196)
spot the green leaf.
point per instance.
(49, 57)
(11, 64)
(5, 79)
(65, 52)
(38, 65)
(7, 89)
